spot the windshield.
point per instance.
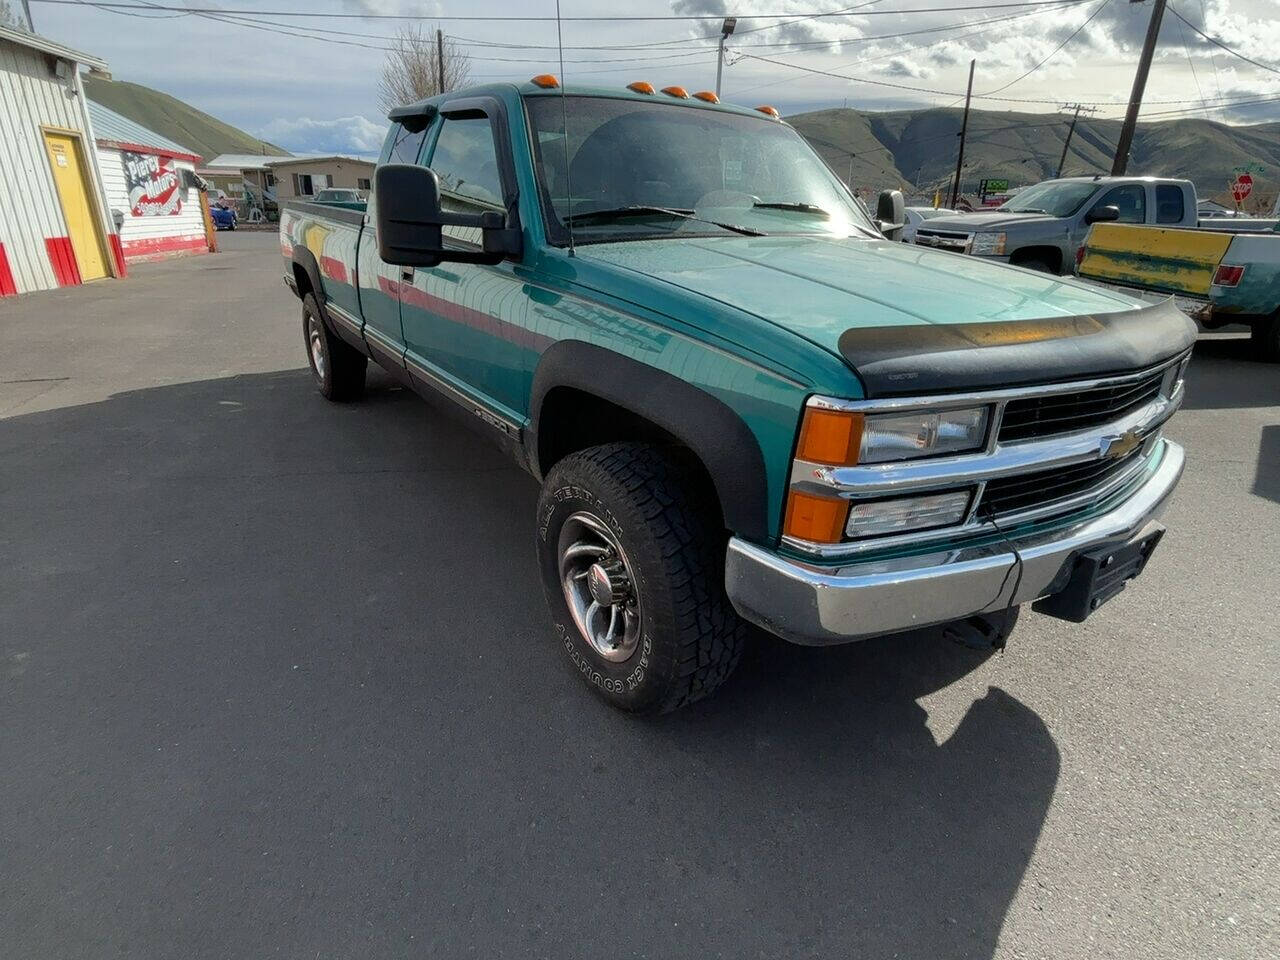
(1058, 198)
(646, 169)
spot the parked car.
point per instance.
(339, 195)
(1225, 278)
(918, 215)
(1043, 226)
(743, 403)
(224, 218)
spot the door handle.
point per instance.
(406, 274)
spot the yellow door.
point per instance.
(73, 191)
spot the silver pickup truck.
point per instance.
(1043, 227)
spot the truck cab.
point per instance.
(743, 403)
(1042, 226)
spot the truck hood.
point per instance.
(858, 297)
(988, 220)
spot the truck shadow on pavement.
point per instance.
(279, 672)
(1226, 373)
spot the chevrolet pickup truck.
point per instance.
(744, 404)
(1221, 278)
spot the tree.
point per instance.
(411, 71)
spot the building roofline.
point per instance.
(282, 161)
(45, 45)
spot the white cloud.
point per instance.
(340, 135)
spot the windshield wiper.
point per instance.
(784, 205)
(1025, 210)
(641, 210)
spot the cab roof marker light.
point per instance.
(680, 92)
(547, 81)
(640, 86)
(706, 96)
(769, 111)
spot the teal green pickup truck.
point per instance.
(743, 403)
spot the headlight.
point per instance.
(876, 518)
(904, 436)
(988, 244)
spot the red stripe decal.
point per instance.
(495, 327)
(8, 288)
(117, 254)
(390, 287)
(63, 260)
(334, 269)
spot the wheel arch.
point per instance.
(1046, 252)
(657, 405)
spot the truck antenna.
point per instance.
(564, 117)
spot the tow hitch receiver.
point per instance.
(1097, 577)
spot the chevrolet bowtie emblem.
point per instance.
(1113, 448)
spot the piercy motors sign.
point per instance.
(154, 184)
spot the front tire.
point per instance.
(339, 371)
(632, 561)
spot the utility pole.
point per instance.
(439, 60)
(726, 29)
(964, 129)
(1079, 108)
(1139, 85)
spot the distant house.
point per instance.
(245, 177)
(55, 225)
(152, 189)
(300, 177)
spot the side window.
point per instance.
(405, 145)
(1131, 201)
(1169, 203)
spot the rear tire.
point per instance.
(338, 369)
(662, 633)
(1266, 337)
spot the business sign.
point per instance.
(154, 184)
(992, 186)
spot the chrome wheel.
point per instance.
(315, 337)
(599, 587)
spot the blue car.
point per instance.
(223, 217)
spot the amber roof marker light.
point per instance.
(680, 92)
(640, 86)
(547, 81)
(706, 96)
(769, 111)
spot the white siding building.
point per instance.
(151, 188)
(55, 227)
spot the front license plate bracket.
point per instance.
(1097, 576)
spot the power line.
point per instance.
(1216, 42)
(489, 18)
(1055, 52)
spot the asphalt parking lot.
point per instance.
(278, 682)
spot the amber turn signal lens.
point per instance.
(816, 519)
(830, 436)
(680, 92)
(707, 95)
(771, 111)
(641, 87)
(545, 80)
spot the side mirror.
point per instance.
(1102, 215)
(409, 219)
(891, 212)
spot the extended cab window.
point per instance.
(1169, 203)
(405, 145)
(465, 159)
(1131, 200)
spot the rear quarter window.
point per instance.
(1169, 203)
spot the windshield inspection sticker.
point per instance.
(732, 170)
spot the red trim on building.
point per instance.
(63, 260)
(8, 288)
(159, 248)
(157, 151)
(117, 254)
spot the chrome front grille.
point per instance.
(1044, 490)
(1044, 416)
(943, 239)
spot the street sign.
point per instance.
(1242, 187)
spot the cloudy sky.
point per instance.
(289, 81)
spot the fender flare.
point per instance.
(304, 258)
(709, 427)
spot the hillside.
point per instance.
(918, 147)
(170, 117)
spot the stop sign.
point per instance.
(1242, 187)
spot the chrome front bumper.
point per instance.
(819, 605)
